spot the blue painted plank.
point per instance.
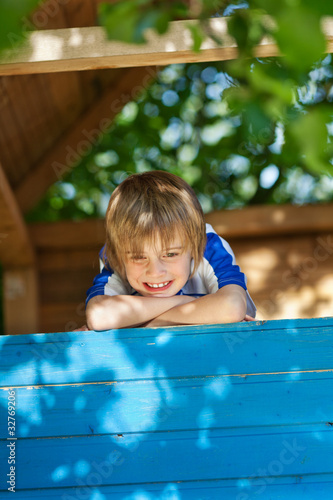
(177, 456)
(159, 353)
(292, 325)
(221, 426)
(150, 405)
(300, 488)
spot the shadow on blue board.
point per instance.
(168, 413)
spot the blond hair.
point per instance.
(153, 205)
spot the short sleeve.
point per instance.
(220, 268)
(222, 264)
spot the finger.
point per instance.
(249, 318)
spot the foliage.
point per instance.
(182, 125)
(245, 131)
(265, 93)
(14, 22)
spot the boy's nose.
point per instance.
(155, 268)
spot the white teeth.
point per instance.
(158, 285)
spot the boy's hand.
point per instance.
(183, 299)
(226, 305)
(156, 322)
(106, 312)
(160, 322)
(249, 318)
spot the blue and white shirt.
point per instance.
(217, 269)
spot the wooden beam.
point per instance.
(18, 259)
(272, 220)
(89, 233)
(82, 136)
(21, 305)
(77, 49)
(15, 246)
(246, 222)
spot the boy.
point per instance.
(161, 264)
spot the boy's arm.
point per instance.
(227, 305)
(105, 312)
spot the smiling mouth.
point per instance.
(158, 286)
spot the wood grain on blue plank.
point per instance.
(299, 488)
(194, 403)
(176, 456)
(158, 353)
(184, 407)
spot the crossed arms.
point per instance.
(227, 305)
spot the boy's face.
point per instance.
(158, 271)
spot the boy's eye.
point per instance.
(137, 257)
(171, 254)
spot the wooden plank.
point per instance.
(71, 285)
(303, 302)
(81, 13)
(92, 83)
(77, 49)
(287, 278)
(31, 110)
(215, 411)
(6, 131)
(272, 220)
(15, 246)
(178, 405)
(61, 89)
(68, 234)
(143, 353)
(50, 14)
(20, 302)
(89, 84)
(81, 137)
(21, 306)
(69, 259)
(182, 456)
(50, 118)
(19, 93)
(57, 14)
(299, 488)
(61, 316)
(15, 161)
(237, 226)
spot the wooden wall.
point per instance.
(232, 412)
(286, 253)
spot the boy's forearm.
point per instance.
(227, 305)
(122, 311)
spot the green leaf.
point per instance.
(247, 28)
(238, 29)
(120, 21)
(310, 134)
(126, 21)
(14, 21)
(258, 122)
(159, 20)
(323, 7)
(273, 84)
(299, 37)
(197, 36)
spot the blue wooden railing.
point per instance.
(242, 411)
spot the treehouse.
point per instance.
(218, 411)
